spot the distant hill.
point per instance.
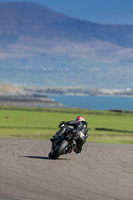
(23, 96)
(39, 46)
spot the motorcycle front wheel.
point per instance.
(59, 150)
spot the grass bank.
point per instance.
(42, 123)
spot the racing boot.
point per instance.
(77, 150)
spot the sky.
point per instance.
(99, 11)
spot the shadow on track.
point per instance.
(44, 158)
(37, 157)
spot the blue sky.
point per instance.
(101, 11)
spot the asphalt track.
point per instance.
(101, 172)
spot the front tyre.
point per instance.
(60, 150)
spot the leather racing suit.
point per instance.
(81, 133)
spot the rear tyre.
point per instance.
(59, 150)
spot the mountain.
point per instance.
(39, 46)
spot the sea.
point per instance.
(95, 102)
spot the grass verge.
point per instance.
(42, 123)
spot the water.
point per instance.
(95, 102)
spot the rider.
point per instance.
(81, 132)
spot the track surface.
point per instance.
(101, 172)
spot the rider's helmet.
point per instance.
(80, 118)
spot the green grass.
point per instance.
(42, 123)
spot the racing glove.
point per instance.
(63, 122)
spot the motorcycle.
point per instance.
(63, 142)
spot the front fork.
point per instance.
(55, 142)
(72, 143)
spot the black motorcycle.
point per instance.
(63, 142)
